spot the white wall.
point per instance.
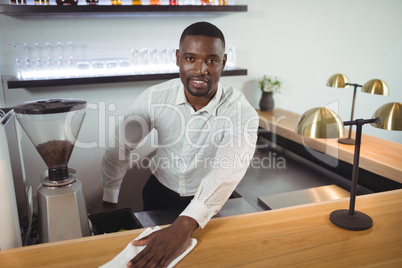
(303, 42)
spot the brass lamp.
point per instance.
(324, 123)
(374, 86)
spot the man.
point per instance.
(206, 139)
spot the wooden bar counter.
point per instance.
(300, 236)
(378, 156)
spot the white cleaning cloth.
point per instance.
(131, 251)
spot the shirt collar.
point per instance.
(211, 106)
(181, 97)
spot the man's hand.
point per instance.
(165, 245)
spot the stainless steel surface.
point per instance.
(234, 206)
(62, 213)
(281, 170)
(21, 186)
(311, 195)
(10, 231)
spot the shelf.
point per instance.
(103, 10)
(104, 79)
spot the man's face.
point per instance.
(201, 60)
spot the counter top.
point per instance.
(296, 236)
(378, 156)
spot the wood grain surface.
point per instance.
(300, 236)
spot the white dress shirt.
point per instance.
(204, 153)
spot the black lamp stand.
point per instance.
(349, 140)
(351, 219)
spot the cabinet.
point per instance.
(115, 11)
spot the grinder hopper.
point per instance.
(53, 126)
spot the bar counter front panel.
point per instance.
(301, 236)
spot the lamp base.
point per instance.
(347, 141)
(356, 222)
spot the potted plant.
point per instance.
(268, 86)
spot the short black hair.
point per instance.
(205, 29)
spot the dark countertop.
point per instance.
(233, 206)
(276, 170)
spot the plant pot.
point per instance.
(267, 102)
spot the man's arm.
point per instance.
(165, 245)
(129, 133)
(230, 165)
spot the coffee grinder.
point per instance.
(53, 126)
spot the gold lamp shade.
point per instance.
(321, 123)
(376, 86)
(390, 115)
(338, 80)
